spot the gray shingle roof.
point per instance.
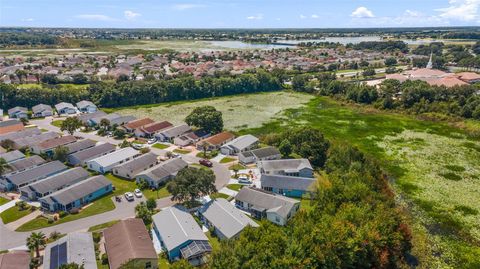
(242, 142)
(34, 140)
(115, 156)
(265, 152)
(63, 105)
(79, 190)
(41, 107)
(90, 153)
(56, 181)
(80, 145)
(36, 173)
(285, 165)
(17, 109)
(28, 132)
(85, 103)
(139, 163)
(176, 130)
(177, 227)
(88, 116)
(267, 200)
(287, 182)
(6, 123)
(165, 169)
(12, 156)
(226, 217)
(79, 250)
(26, 163)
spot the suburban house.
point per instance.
(42, 110)
(214, 142)
(262, 154)
(18, 112)
(48, 146)
(180, 235)
(86, 117)
(262, 204)
(9, 126)
(65, 108)
(149, 130)
(113, 119)
(128, 245)
(240, 144)
(77, 195)
(81, 157)
(12, 156)
(29, 141)
(167, 135)
(105, 163)
(288, 167)
(225, 219)
(15, 259)
(190, 138)
(18, 180)
(24, 164)
(287, 185)
(469, 77)
(75, 248)
(80, 145)
(12, 135)
(161, 173)
(54, 183)
(131, 126)
(131, 168)
(86, 106)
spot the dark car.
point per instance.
(206, 163)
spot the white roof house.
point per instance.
(239, 144)
(65, 108)
(105, 163)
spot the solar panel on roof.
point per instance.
(62, 254)
(54, 257)
(58, 255)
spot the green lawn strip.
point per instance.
(219, 195)
(123, 185)
(57, 123)
(227, 160)
(209, 155)
(181, 151)
(14, 213)
(102, 226)
(3, 200)
(236, 166)
(198, 166)
(235, 187)
(160, 146)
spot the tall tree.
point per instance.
(60, 153)
(206, 118)
(71, 124)
(3, 166)
(36, 241)
(143, 212)
(190, 184)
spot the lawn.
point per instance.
(102, 226)
(160, 146)
(219, 195)
(57, 123)
(235, 187)
(237, 110)
(227, 160)
(14, 213)
(209, 155)
(237, 166)
(434, 168)
(3, 200)
(181, 151)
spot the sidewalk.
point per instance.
(7, 205)
(14, 225)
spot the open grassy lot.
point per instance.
(14, 213)
(239, 112)
(3, 201)
(160, 146)
(434, 168)
(57, 123)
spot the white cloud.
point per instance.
(412, 13)
(130, 15)
(463, 10)
(362, 12)
(28, 19)
(186, 6)
(315, 16)
(94, 17)
(255, 17)
(302, 16)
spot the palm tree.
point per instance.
(169, 154)
(104, 123)
(36, 241)
(3, 166)
(34, 263)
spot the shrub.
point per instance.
(104, 258)
(62, 214)
(96, 237)
(50, 220)
(74, 211)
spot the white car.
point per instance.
(129, 196)
(152, 141)
(138, 193)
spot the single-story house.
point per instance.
(167, 135)
(86, 106)
(225, 219)
(113, 119)
(16, 259)
(214, 142)
(42, 110)
(29, 141)
(48, 146)
(263, 204)
(151, 129)
(261, 154)
(53, 183)
(18, 112)
(131, 126)
(287, 167)
(75, 248)
(131, 168)
(86, 117)
(287, 185)
(24, 164)
(162, 172)
(80, 145)
(27, 132)
(180, 236)
(18, 180)
(10, 126)
(77, 195)
(128, 245)
(186, 139)
(105, 163)
(65, 108)
(12, 156)
(81, 157)
(240, 144)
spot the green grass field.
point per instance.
(14, 213)
(434, 167)
(3, 200)
(239, 112)
(57, 123)
(160, 146)
(235, 187)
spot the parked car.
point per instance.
(129, 196)
(152, 141)
(206, 163)
(244, 180)
(138, 193)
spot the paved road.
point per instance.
(10, 239)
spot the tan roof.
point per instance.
(219, 138)
(447, 82)
(11, 128)
(127, 240)
(58, 141)
(15, 260)
(398, 77)
(134, 124)
(468, 76)
(425, 72)
(156, 126)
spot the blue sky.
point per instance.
(239, 13)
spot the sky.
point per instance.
(239, 13)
